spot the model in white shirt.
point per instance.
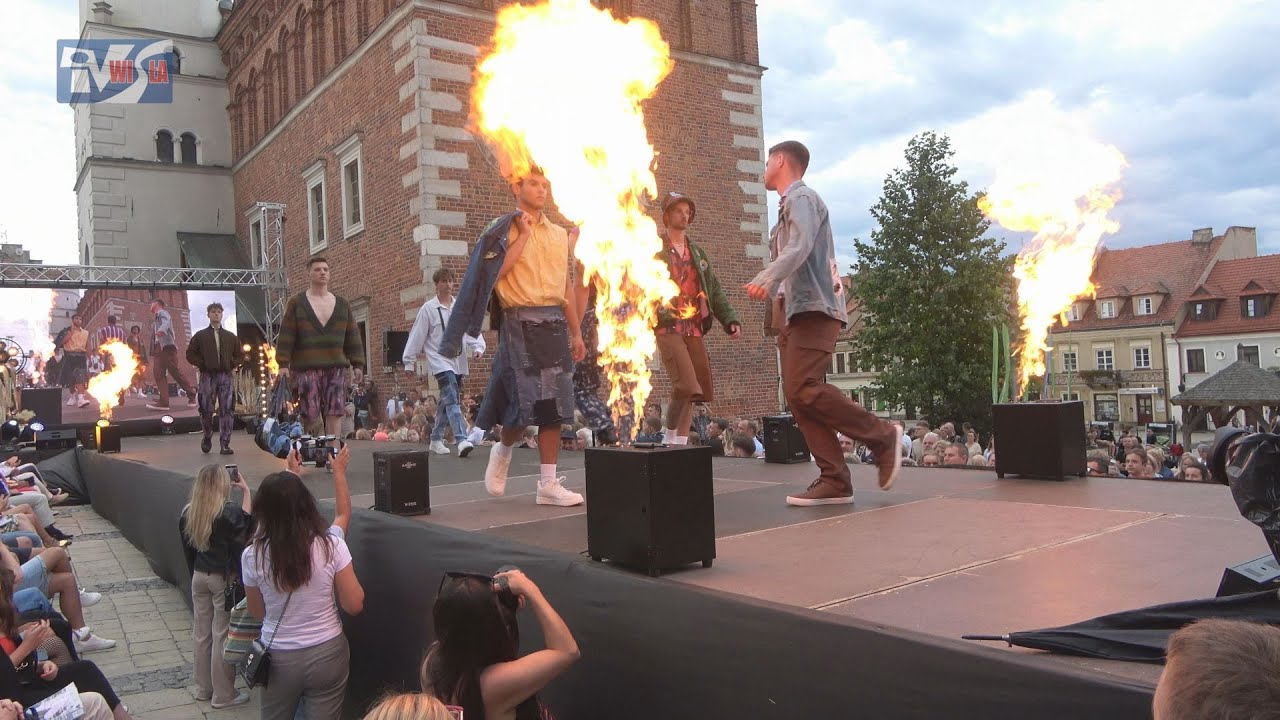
(425, 339)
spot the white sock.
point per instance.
(548, 475)
(501, 450)
(82, 633)
(678, 440)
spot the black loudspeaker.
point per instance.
(783, 442)
(108, 437)
(650, 508)
(393, 342)
(46, 403)
(1040, 439)
(1253, 576)
(57, 439)
(401, 482)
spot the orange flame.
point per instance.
(106, 387)
(1061, 188)
(562, 86)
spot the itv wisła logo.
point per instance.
(120, 71)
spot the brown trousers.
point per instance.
(166, 362)
(807, 342)
(686, 362)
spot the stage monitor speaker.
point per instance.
(401, 482)
(1040, 439)
(651, 508)
(1253, 576)
(393, 342)
(783, 441)
(108, 438)
(46, 403)
(64, 438)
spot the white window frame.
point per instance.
(1111, 358)
(1074, 365)
(254, 216)
(314, 177)
(1251, 307)
(1106, 309)
(1240, 355)
(1071, 396)
(1144, 306)
(1073, 313)
(1145, 349)
(350, 152)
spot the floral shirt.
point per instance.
(685, 276)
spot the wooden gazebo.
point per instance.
(1241, 386)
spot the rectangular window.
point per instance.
(351, 161)
(1107, 309)
(1106, 359)
(1195, 360)
(1254, 307)
(1141, 358)
(1204, 310)
(839, 363)
(314, 177)
(1106, 408)
(1068, 397)
(255, 243)
(1073, 313)
(1144, 306)
(1249, 354)
(1070, 363)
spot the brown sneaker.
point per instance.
(822, 493)
(890, 461)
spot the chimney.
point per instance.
(102, 12)
(1203, 236)
(224, 7)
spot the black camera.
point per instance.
(1250, 464)
(318, 450)
(505, 596)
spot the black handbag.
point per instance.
(255, 666)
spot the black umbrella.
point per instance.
(1142, 635)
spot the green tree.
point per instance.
(930, 285)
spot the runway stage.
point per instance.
(946, 552)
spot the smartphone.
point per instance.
(233, 469)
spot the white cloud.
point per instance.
(864, 59)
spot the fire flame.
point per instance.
(29, 327)
(562, 87)
(1060, 187)
(106, 387)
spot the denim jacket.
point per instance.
(475, 295)
(803, 257)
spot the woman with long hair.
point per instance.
(291, 570)
(409, 706)
(474, 662)
(214, 531)
(26, 678)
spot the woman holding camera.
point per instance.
(26, 678)
(214, 531)
(291, 570)
(474, 661)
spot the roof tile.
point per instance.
(1230, 280)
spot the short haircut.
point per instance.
(112, 319)
(795, 151)
(214, 306)
(745, 444)
(533, 171)
(1222, 669)
(159, 302)
(1146, 459)
(77, 315)
(1100, 456)
(443, 275)
(317, 259)
(135, 329)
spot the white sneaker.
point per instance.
(71, 401)
(87, 642)
(465, 447)
(438, 448)
(555, 493)
(495, 474)
(241, 698)
(89, 598)
(84, 402)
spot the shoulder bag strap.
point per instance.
(279, 622)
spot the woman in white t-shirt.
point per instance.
(290, 573)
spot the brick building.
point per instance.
(354, 114)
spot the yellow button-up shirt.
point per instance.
(539, 277)
(76, 340)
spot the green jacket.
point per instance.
(716, 299)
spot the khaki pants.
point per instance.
(806, 344)
(686, 362)
(95, 707)
(209, 630)
(315, 676)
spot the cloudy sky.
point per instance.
(1188, 91)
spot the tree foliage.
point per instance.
(930, 284)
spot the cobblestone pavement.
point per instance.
(150, 666)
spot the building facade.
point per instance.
(354, 115)
(1231, 316)
(146, 172)
(1111, 352)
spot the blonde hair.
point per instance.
(409, 706)
(208, 495)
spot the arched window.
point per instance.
(188, 145)
(164, 146)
